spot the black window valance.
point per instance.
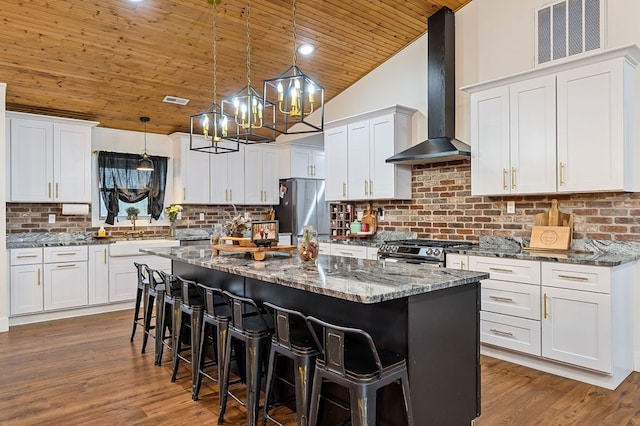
(119, 180)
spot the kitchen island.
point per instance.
(429, 315)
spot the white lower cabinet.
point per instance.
(65, 277)
(26, 289)
(457, 261)
(565, 315)
(346, 250)
(123, 279)
(98, 274)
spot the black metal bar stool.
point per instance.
(190, 319)
(350, 358)
(294, 339)
(141, 296)
(215, 322)
(169, 317)
(155, 296)
(249, 326)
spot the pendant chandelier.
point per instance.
(209, 128)
(251, 118)
(295, 95)
(145, 163)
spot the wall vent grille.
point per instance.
(567, 28)
(175, 100)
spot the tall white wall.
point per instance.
(4, 285)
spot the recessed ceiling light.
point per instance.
(136, 1)
(306, 49)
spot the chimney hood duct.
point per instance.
(442, 146)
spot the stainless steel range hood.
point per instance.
(442, 146)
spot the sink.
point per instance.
(132, 247)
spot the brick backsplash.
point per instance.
(34, 217)
(442, 207)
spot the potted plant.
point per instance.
(132, 213)
(172, 213)
(237, 225)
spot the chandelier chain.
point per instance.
(293, 13)
(215, 52)
(248, 44)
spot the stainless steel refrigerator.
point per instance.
(301, 204)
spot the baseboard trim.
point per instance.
(69, 313)
(4, 324)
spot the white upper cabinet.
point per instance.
(355, 152)
(191, 172)
(50, 160)
(261, 174)
(335, 151)
(569, 127)
(303, 158)
(228, 177)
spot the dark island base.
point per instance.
(437, 332)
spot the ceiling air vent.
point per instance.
(568, 27)
(175, 100)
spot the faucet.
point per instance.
(134, 232)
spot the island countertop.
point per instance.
(357, 280)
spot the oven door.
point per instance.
(417, 261)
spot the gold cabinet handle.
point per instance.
(504, 179)
(226, 195)
(66, 265)
(310, 170)
(314, 170)
(561, 173)
(184, 194)
(38, 277)
(66, 253)
(544, 299)
(462, 264)
(501, 299)
(49, 191)
(344, 189)
(231, 195)
(105, 256)
(507, 271)
(24, 256)
(346, 253)
(366, 187)
(57, 195)
(502, 333)
(371, 187)
(513, 178)
(573, 277)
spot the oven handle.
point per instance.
(413, 261)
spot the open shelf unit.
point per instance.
(340, 217)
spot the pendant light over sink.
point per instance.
(145, 163)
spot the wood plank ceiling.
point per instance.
(113, 61)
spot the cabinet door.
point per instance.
(123, 277)
(382, 146)
(98, 282)
(194, 171)
(219, 172)
(31, 160)
(236, 169)
(270, 182)
(65, 285)
(457, 261)
(335, 149)
(532, 109)
(253, 192)
(591, 131)
(317, 164)
(576, 328)
(301, 167)
(490, 174)
(71, 163)
(26, 289)
(358, 160)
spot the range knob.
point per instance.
(437, 251)
(429, 251)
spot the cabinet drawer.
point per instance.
(577, 277)
(518, 334)
(26, 256)
(325, 248)
(521, 300)
(66, 254)
(359, 252)
(522, 271)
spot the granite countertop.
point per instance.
(602, 253)
(376, 239)
(357, 280)
(54, 239)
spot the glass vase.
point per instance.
(172, 229)
(309, 247)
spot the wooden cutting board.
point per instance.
(554, 217)
(370, 217)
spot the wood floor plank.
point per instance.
(84, 371)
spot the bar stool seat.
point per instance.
(349, 358)
(215, 323)
(169, 316)
(294, 339)
(253, 328)
(142, 292)
(190, 319)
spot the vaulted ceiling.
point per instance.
(113, 61)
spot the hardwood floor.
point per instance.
(84, 371)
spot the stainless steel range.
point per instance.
(419, 251)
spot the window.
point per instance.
(121, 186)
(568, 27)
